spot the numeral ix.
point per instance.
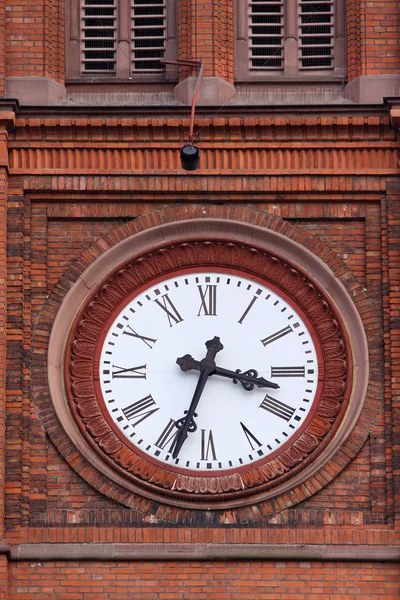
(129, 373)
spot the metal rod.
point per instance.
(190, 63)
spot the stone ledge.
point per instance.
(204, 552)
(35, 90)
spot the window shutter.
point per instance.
(149, 33)
(316, 34)
(99, 22)
(266, 35)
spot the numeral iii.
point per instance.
(288, 371)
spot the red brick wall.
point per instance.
(34, 38)
(211, 581)
(76, 178)
(61, 495)
(205, 33)
(373, 39)
(2, 48)
(3, 347)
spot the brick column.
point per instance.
(206, 33)
(393, 211)
(7, 119)
(373, 51)
(34, 43)
(2, 47)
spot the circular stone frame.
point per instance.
(207, 242)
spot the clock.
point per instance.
(207, 364)
(208, 371)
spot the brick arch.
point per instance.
(217, 217)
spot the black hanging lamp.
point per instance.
(190, 157)
(190, 154)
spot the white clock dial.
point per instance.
(145, 392)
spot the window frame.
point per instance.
(291, 45)
(124, 73)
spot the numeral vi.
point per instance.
(207, 445)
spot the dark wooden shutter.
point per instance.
(149, 34)
(98, 37)
(316, 34)
(266, 35)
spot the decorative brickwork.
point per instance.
(75, 180)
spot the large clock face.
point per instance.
(152, 361)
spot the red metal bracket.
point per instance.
(190, 63)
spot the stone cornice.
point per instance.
(204, 552)
(8, 110)
(393, 103)
(210, 112)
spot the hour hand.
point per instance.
(249, 379)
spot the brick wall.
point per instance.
(373, 42)
(34, 38)
(212, 581)
(68, 180)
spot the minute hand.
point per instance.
(248, 379)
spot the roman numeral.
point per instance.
(142, 409)
(275, 336)
(246, 312)
(130, 373)
(147, 340)
(250, 436)
(208, 300)
(168, 436)
(281, 410)
(170, 310)
(288, 371)
(207, 445)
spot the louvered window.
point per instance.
(287, 38)
(121, 39)
(266, 35)
(148, 35)
(99, 40)
(316, 34)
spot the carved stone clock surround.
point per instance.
(179, 245)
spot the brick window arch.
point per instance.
(289, 38)
(121, 39)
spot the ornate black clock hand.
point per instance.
(206, 367)
(249, 379)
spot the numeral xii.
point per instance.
(208, 298)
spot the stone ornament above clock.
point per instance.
(208, 364)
